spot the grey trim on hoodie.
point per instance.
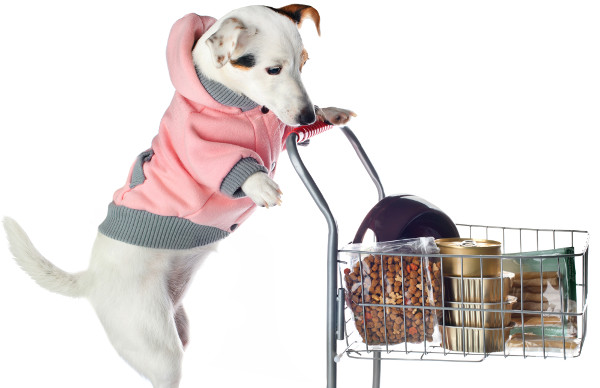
(137, 174)
(142, 228)
(232, 184)
(224, 95)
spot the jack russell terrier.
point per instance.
(238, 95)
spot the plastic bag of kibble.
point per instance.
(404, 280)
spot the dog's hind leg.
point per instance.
(137, 295)
(156, 350)
(142, 329)
(182, 324)
(183, 268)
(130, 294)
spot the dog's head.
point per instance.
(257, 51)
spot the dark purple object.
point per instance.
(406, 216)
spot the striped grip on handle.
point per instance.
(307, 131)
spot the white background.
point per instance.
(487, 109)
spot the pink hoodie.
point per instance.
(186, 190)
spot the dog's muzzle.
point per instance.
(307, 116)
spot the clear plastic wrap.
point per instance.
(399, 275)
(545, 283)
(536, 345)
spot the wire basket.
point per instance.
(555, 326)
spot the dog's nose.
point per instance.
(307, 116)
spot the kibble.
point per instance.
(406, 317)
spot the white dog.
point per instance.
(238, 94)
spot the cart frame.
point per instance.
(336, 300)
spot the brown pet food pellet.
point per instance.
(396, 280)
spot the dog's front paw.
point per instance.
(262, 190)
(336, 116)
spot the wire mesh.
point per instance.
(547, 317)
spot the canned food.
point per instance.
(476, 340)
(478, 314)
(458, 265)
(476, 290)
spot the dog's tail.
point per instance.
(41, 270)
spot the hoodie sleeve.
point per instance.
(232, 184)
(218, 164)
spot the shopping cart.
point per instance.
(558, 332)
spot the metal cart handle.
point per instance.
(305, 132)
(335, 324)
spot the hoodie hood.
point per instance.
(184, 35)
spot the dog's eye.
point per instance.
(274, 70)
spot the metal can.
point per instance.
(479, 266)
(478, 315)
(477, 289)
(476, 339)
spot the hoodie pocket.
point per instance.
(137, 174)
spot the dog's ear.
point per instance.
(229, 41)
(299, 12)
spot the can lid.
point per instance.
(467, 243)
